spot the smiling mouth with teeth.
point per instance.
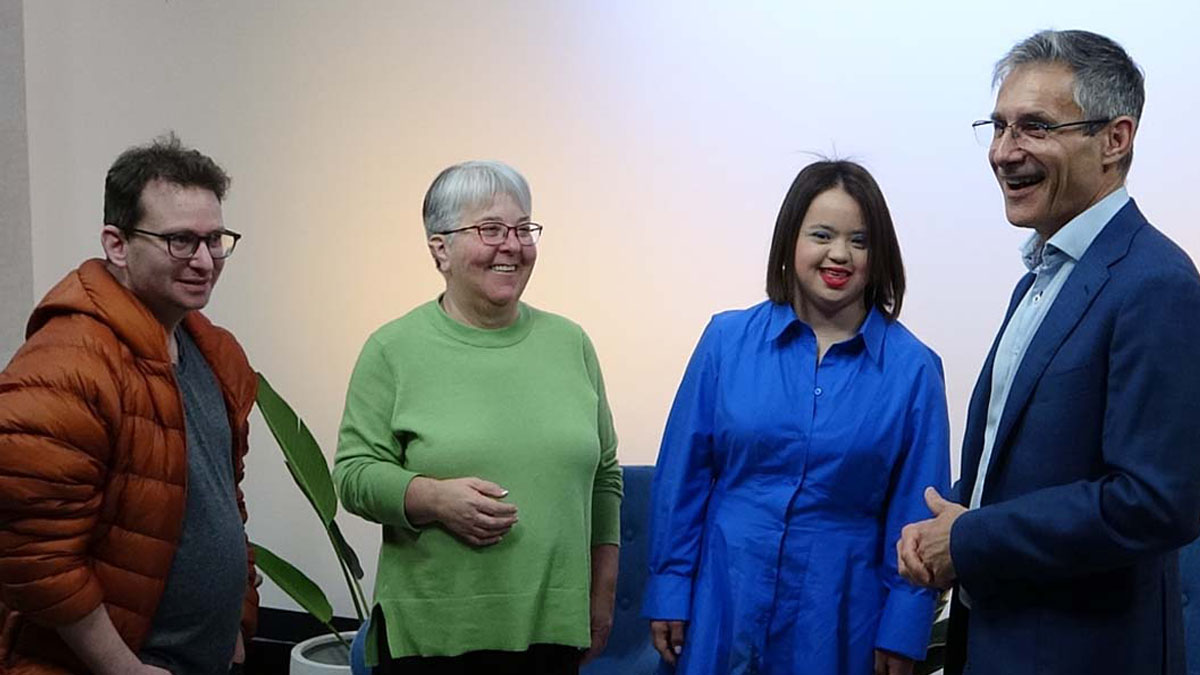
(503, 268)
(1022, 182)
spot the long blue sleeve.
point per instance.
(682, 483)
(926, 463)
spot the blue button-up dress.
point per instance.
(780, 491)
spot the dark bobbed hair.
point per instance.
(165, 159)
(885, 268)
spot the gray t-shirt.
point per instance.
(197, 622)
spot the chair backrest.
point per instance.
(629, 650)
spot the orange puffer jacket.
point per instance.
(93, 467)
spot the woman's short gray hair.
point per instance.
(468, 185)
(1108, 84)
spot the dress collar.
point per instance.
(871, 332)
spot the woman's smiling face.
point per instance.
(479, 275)
(831, 254)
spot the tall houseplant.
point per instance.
(306, 463)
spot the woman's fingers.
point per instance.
(668, 638)
(677, 638)
(471, 509)
(659, 635)
(492, 507)
(480, 542)
(487, 488)
(486, 523)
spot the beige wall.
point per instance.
(16, 263)
(659, 139)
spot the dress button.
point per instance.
(817, 391)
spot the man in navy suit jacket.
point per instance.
(1081, 459)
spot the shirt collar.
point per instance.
(1077, 235)
(871, 332)
(782, 317)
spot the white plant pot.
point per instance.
(322, 655)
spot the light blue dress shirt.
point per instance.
(1051, 262)
(781, 488)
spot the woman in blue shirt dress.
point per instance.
(801, 439)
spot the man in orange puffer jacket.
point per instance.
(123, 427)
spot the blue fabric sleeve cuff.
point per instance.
(668, 597)
(907, 621)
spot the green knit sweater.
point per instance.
(523, 407)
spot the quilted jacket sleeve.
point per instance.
(59, 408)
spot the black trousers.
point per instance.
(539, 659)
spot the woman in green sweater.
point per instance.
(477, 432)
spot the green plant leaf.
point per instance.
(294, 582)
(304, 458)
(344, 551)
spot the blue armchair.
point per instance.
(629, 650)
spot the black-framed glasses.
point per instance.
(988, 132)
(183, 245)
(494, 233)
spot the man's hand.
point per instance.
(469, 507)
(887, 663)
(668, 638)
(923, 552)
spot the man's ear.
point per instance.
(1118, 139)
(116, 246)
(438, 248)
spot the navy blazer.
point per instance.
(1094, 480)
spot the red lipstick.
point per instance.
(836, 277)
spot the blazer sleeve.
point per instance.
(908, 611)
(681, 486)
(1147, 501)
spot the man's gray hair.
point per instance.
(1108, 84)
(469, 185)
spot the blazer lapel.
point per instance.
(1086, 280)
